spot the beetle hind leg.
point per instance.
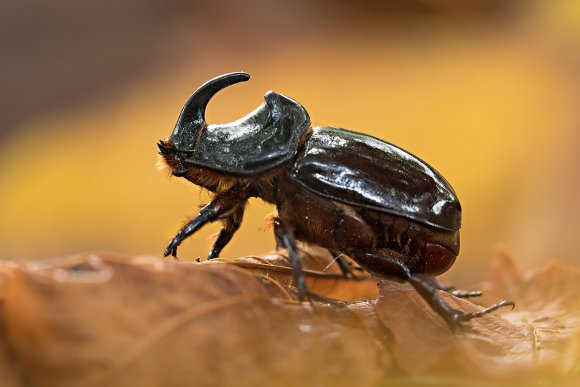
(452, 317)
(427, 290)
(346, 267)
(452, 289)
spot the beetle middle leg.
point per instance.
(285, 237)
(220, 206)
(424, 287)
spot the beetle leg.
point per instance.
(223, 238)
(285, 237)
(451, 289)
(452, 317)
(345, 266)
(221, 205)
(232, 224)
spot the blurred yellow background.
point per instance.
(486, 91)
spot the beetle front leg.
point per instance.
(223, 238)
(218, 207)
(231, 225)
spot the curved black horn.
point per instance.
(194, 109)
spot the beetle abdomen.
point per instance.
(366, 172)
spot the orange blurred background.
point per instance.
(486, 91)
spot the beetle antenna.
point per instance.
(194, 109)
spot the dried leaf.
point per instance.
(106, 319)
(111, 320)
(539, 338)
(8, 369)
(323, 276)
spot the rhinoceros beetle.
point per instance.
(348, 192)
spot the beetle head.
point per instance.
(260, 141)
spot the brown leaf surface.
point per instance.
(323, 275)
(8, 373)
(112, 320)
(539, 339)
(107, 319)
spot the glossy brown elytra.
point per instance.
(348, 192)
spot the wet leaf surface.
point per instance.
(107, 319)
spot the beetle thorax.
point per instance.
(262, 185)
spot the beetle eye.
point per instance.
(182, 155)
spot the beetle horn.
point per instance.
(194, 109)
